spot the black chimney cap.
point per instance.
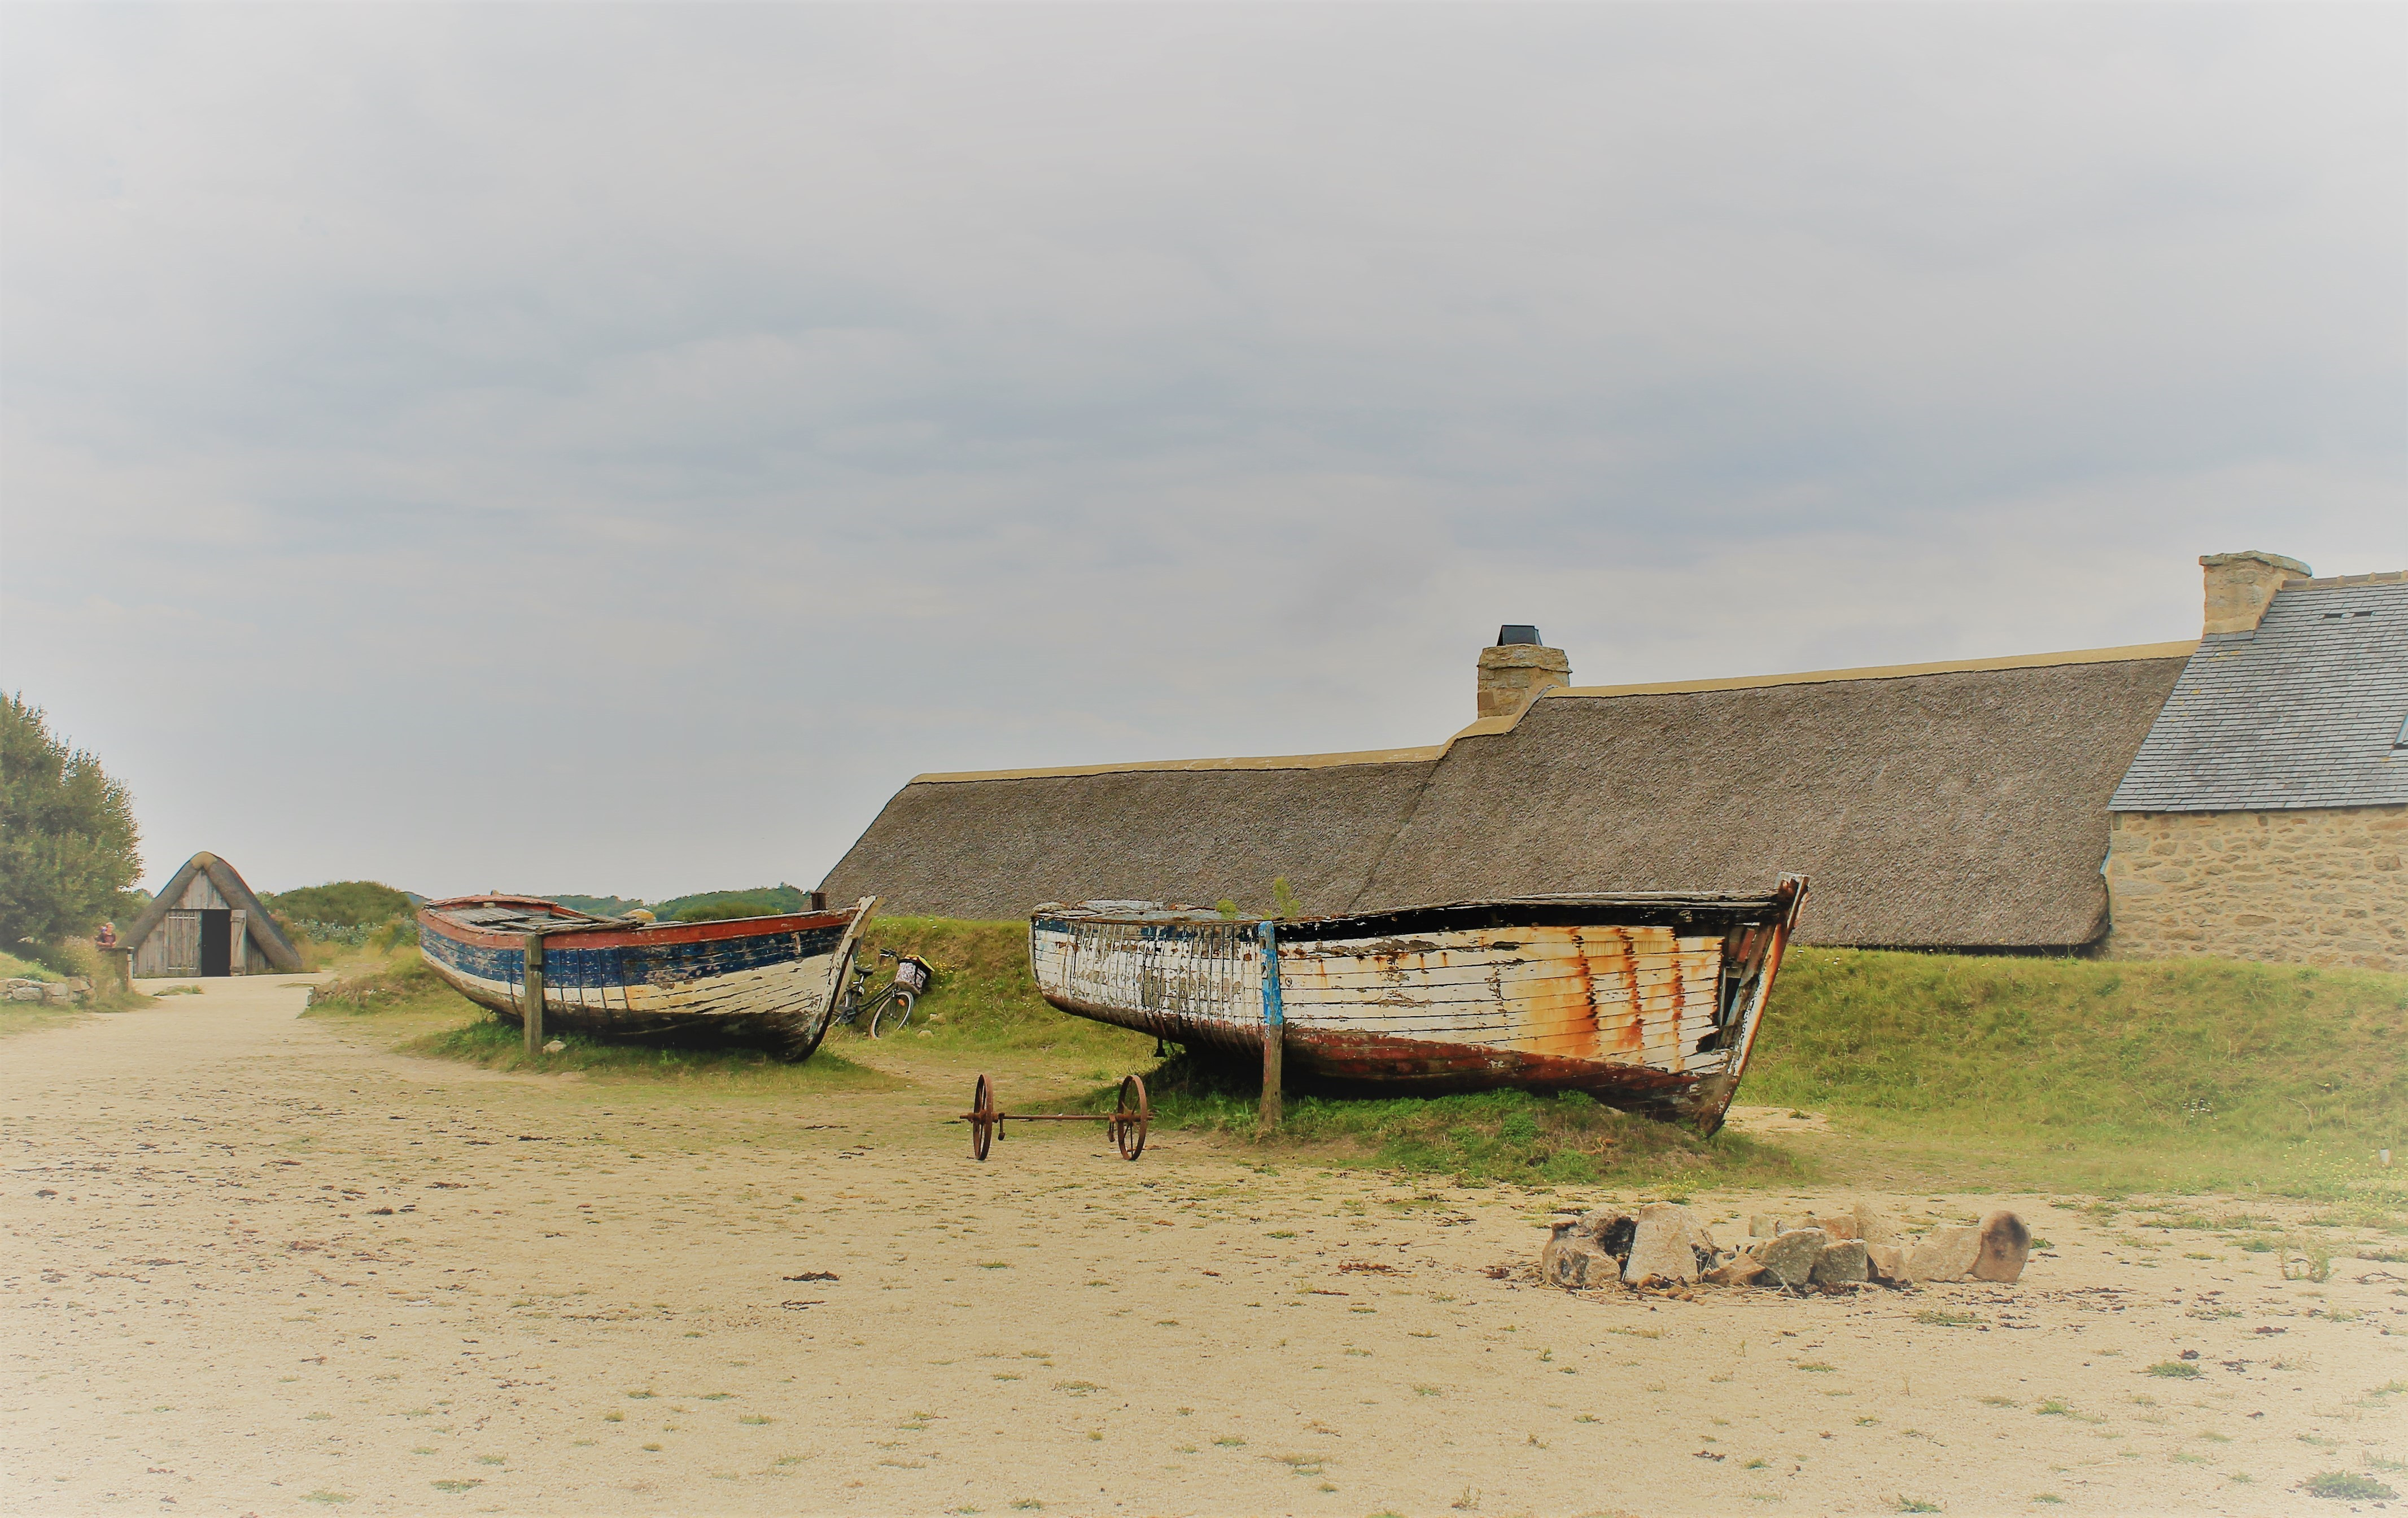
(1516, 632)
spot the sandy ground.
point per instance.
(257, 1265)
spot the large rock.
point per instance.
(1664, 1246)
(2005, 1244)
(1790, 1258)
(1840, 1260)
(1741, 1270)
(1875, 1226)
(1588, 1250)
(1763, 1225)
(1887, 1262)
(1609, 1227)
(1838, 1224)
(1573, 1260)
(1945, 1253)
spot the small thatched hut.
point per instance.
(206, 921)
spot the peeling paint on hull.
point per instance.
(764, 981)
(1648, 1002)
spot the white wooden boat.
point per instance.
(1649, 1001)
(772, 982)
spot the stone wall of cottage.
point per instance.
(2310, 887)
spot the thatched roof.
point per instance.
(1965, 808)
(1951, 806)
(995, 846)
(258, 923)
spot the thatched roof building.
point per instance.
(1959, 806)
(206, 921)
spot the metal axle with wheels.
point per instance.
(1129, 1120)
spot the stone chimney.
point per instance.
(1518, 667)
(2241, 586)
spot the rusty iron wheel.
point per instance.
(1131, 1119)
(982, 1118)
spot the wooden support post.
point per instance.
(532, 1013)
(1274, 1028)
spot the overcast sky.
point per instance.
(611, 448)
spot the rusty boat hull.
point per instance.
(1648, 1001)
(765, 983)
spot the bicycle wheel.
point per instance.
(894, 1014)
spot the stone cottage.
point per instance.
(2266, 814)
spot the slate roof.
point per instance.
(2308, 710)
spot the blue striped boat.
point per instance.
(767, 982)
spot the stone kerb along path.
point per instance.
(255, 1266)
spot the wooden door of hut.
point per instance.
(216, 942)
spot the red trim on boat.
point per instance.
(433, 915)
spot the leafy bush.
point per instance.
(340, 904)
(720, 908)
(401, 981)
(69, 845)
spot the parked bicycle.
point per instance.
(888, 1008)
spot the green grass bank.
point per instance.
(2084, 1074)
(2205, 1072)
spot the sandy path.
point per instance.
(253, 1266)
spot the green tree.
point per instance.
(67, 839)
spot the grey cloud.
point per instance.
(631, 440)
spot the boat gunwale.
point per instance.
(433, 915)
(1664, 909)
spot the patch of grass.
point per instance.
(1511, 1136)
(79, 959)
(398, 996)
(1939, 1318)
(2195, 1073)
(16, 967)
(2176, 1370)
(984, 995)
(2348, 1486)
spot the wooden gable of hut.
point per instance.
(206, 922)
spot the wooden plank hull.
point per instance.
(768, 982)
(1647, 1002)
